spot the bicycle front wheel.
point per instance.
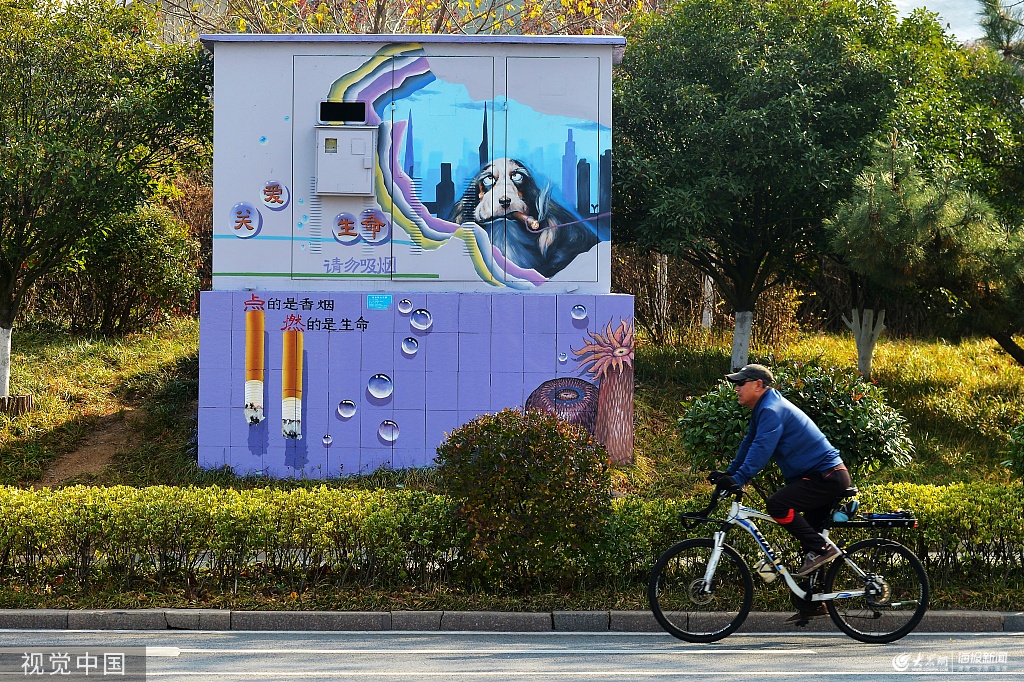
(690, 607)
(896, 591)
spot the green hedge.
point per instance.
(212, 539)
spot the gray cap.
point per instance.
(753, 373)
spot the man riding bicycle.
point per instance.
(812, 468)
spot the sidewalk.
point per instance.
(456, 621)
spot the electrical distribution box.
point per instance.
(344, 159)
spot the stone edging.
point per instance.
(451, 621)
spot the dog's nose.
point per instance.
(505, 202)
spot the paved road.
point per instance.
(465, 657)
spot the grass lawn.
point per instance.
(960, 399)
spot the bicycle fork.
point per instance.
(716, 554)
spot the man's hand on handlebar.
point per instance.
(728, 483)
(715, 475)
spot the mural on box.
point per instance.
(364, 381)
(457, 170)
(407, 236)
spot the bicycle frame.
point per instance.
(743, 517)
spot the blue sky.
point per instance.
(961, 15)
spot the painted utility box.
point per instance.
(409, 231)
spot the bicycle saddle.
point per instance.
(849, 492)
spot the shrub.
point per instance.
(1014, 452)
(533, 492)
(140, 271)
(850, 411)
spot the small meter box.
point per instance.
(344, 159)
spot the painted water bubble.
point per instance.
(421, 319)
(405, 306)
(578, 312)
(246, 220)
(563, 357)
(410, 345)
(264, 139)
(388, 431)
(380, 386)
(327, 440)
(346, 409)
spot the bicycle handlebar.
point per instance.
(690, 520)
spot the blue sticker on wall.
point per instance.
(378, 301)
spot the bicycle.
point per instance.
(876, 591)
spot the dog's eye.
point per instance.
(488, 181)
(517, 177)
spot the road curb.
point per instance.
(447, 621)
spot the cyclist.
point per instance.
(812, 468)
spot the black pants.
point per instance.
(801, 506)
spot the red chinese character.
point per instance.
(254, 303)
(293, 323)
(272, 194)
(373, 225)
(346, 228)
(242, 216)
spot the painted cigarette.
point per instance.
(291, 385)
(254, 365)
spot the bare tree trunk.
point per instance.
(5, 361)
(614, 428)
(1006, 342)
(865, 332)
(661, 297)
(741, 338)
(707, 302)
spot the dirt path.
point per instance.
(96, 452)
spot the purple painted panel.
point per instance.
(439, 424)
(538, 315)
(409, 352)
(214, 347)
(214, 387)
(506, 390)
(475, 353)
(474, 391)
(412, 426)
(444, 313)
(244, 463)
(576, 314)
(613, 308)
(506, 352)
(475, 313)
(507, 315)
(540, 354)
(440, 352)
(442, 390)
(410, 390)
(405, 458)
(370, 426)
(345, 350)
(532, 381)
(256, 439)
(378, 353)
(214, 429)
(212, 457)
(372, 460)
(215, 308)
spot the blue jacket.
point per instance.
(779, 430)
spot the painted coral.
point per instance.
(608, 358)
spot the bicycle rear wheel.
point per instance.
(897, 591)
(677, 595)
